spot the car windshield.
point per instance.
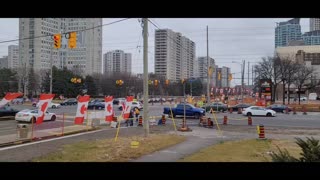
(191, 105)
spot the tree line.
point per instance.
(287, 71)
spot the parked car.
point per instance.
(27, 115)
(51, 105)
(279, 108)
(258, 111)
(241, 106)
(216, 106)
(70, 102)
(96, 105)
(134, 105)
(7, 111)
(179, 110)
(17, 101)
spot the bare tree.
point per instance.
(268, 68)
(303, 74)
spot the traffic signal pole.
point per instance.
(51, 69)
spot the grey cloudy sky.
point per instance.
(230, 39)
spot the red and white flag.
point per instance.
(81, 109)
(109, 112)
(221, 90)
(127, 107)
(45, 100)
(8, 98)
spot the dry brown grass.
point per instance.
(109, 151)
(243, 151)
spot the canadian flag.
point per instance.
(109, 112)
(8, 98)
(217, 90)
(221, 90)
(233, 90)
(45, 100)
(127, 107)
(81, 109)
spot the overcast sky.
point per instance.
(230, 39)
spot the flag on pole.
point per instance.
(8, 98)
(45, 100)
(81, 109)
(109, 112)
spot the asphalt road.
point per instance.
(312, 120)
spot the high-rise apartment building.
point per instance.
(174, 55)
(39, 53)
(117, 61)
(13, 56)
(201, 65)
(314, 24)
(288, 31)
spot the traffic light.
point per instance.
(156, 82)
(167, 82)
(219, 75)
(183, 81)
(230, 77)
(57, 41)
(72, 40)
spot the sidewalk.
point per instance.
(12, 138)
(198, 139)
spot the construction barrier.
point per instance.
(304, 110)
(225, 120)
(140, 121)
(249, 121)
(163, 118)
(239, 111)
(261, 132)
(210, 123)
(230, 110)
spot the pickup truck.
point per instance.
(190, 111)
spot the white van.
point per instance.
(313, 96)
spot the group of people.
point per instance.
(134, 113)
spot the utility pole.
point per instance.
(248, 72)
(242, 79)
(252, 75)
(209, 68)
(145, 74)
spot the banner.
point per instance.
(108, 107)
(8, 98)
(81, 109)
(45, 100)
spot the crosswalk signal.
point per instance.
(72, 40)
(57, 41)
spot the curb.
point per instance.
(45, 137)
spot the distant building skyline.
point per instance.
(117, 61)
(174, 55)
(287, 31)
(13, 56)
(39, 53)
(314, 24)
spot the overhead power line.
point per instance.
(35, 37)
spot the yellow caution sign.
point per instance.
(134, 144)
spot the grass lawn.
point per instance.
(107, 150)
(243, 151)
